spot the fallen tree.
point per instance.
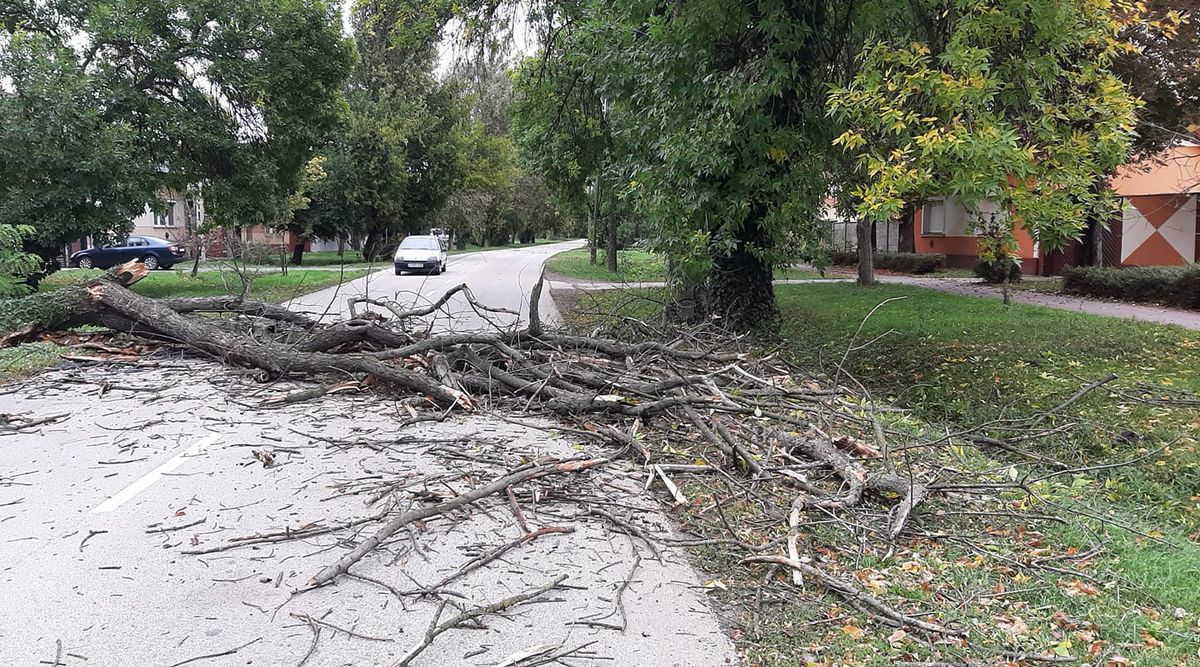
(680, 403)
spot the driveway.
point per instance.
(497, 278)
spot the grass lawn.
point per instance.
(634, 266)
(962, 360)
(29, 358)
(954, 362)
(274, 287)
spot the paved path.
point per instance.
(498, 278)
(84, 560)
(1188, 319)
(143, 463)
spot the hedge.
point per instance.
(900, 262)
(993, 272)
(1172, 285)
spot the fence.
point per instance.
(843, 236)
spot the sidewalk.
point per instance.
(974, 288)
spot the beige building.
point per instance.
(174, 220)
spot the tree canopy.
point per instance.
(109, 101)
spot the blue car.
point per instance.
(154, 252)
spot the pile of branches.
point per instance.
(687, 407)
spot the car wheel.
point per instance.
(86, 263)
(443, 267)
(151, 262)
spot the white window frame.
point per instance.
(927, 218)
(165, 217)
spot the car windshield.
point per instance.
(419, 243)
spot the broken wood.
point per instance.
(436, 628)
(343, 564)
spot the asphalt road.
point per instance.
(497, 278)
(139, 466)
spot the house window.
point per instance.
(165, 217)
(933, 218)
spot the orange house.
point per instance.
(1157, 227)
(1158, 217)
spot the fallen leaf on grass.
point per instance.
(1075, 588)
(854, 631)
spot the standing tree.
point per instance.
(133, 97)
(717, 108)
(394, 159)
(1017, 113)
(560, 132)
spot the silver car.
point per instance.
(420, 253)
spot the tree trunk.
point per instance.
(1097, 243)
(372, 245)
(740, 289)
(594, 220)
(866, 256)
(610, 251)
(907, 241)
(298, 252)
(341, 239)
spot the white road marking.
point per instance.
(198, 447)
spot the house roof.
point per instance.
(1173, 171)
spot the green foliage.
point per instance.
(994, 271)
(557, 125)
(719, 119)
(15, 263)
(65, 167)
(111, 100)
(390, 165)
(1173, 285)
(1018, 108)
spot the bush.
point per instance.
(1172, 285)
(901, 262)
(993, 272)
(910, 262)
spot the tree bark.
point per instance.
(740, 289)
(298, 252)
(907, 241)
(594, 220)
(866, 255)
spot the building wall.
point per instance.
(1159, 230)
(961, 247)
(169, 220)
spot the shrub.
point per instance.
(993, 272)
(901, 262)
(910, 262)
(1171, 285)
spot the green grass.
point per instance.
(274, 287)
(962, 361)
(634, 266)
(26, 359)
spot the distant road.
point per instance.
(498, 278)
